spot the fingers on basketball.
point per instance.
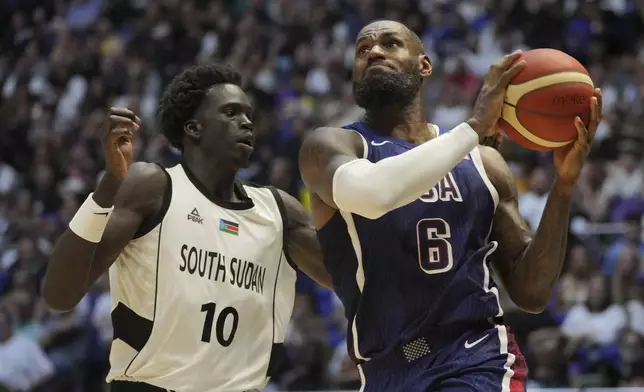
(507, 60)
(595, 117)
(508, 75)
(600, 104)
(583, 137)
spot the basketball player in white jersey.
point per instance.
(202, 266)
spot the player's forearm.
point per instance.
(67, 272)
(538, 268)
(70, 263)
(305, 250)
(373, 189)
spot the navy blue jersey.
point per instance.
(420, 270)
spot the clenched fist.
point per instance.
(118, 132)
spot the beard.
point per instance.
(384, 90)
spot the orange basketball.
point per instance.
(543, 100)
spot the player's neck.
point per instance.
(408, 123)
(218, 178)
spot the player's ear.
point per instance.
(193, 129)
(425, 66)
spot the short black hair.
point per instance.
(184, 94)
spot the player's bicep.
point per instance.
(139, 197)
(120, 230)
(322, 153)
(509, 229)
(303, 247)
(512, 234)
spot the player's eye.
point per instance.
(392, 44)
(363, 50)
(230, 112)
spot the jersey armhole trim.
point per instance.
(285, 236)
(365, 145)
(480, 167)
(155, 219)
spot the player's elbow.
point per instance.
(372, 207)
(359, 193)
(530, 303)
(59, 298)
(59, 304)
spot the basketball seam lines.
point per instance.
(550, 74)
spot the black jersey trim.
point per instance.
(130, 386)
(277, 359)
(155, 219)
(285, 235)
(156, 295)
(132, 329)
(245, 203)
(274, 359)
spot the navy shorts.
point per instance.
(482, 360)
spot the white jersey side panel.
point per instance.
(217, 290)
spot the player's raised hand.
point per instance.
(489, 103)
(118, 131)
(570, 159)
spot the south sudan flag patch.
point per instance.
(228, 227)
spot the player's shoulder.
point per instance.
(145, 183)
(146, 175)
(324, 142)
(329, 135)
(283, 198)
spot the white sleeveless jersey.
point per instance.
(201, 301)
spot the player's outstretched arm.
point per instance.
(76, 263)
(331, 166)
(303, 246)
(108, 219)
(529, 265)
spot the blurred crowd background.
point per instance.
(64, 62)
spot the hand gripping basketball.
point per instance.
(118, 132)
(570, 159)
(489, 103)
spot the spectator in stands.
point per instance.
(574, 285)
(597, 321)
(305, 347)
(631, 243)
(532, 202)
(25, 366)
(632, 359)
(62, 63)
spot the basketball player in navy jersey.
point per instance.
(411, 218)
(201, 279)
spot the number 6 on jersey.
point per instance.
(434, 249)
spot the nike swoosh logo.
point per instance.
(379, 143)
(101, 213)
(474, 343)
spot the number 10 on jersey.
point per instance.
(223, 338)
(434, 249)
